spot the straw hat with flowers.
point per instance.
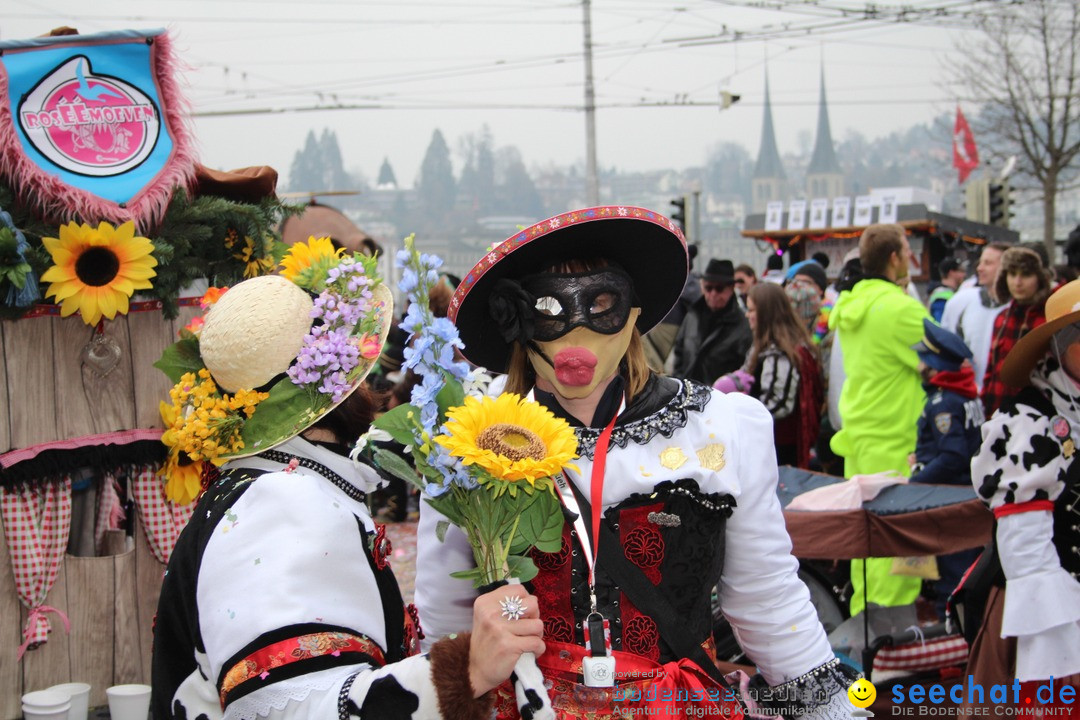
(273, 355)
(1062, 309)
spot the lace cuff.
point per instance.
(820, 693)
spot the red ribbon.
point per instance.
(36, 614)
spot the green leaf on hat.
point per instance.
(179, 358)
(284, 414)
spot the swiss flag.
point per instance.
(965, 156)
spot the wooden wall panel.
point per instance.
(92, 599)
(28, 357)
(11, 687)
(150, 334)
(5, 406)
(91, 403)
(128, 651)
(149, 574)
(50, 664)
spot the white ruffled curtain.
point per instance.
(37, 520)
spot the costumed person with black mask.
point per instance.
(674, 490)
(279, 601)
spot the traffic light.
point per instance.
(976, 201)
(999, 203)
(679, 215)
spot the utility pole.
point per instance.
(592, 184)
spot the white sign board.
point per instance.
(819, 213)
(863, 210)
(841, 212)
(774, 215)
(796, 219)
(888, 209)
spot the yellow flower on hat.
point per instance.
(183, 478)
(306, 264)
(510, 437)
(97, 269)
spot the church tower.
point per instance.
(824, 179)
(769, 182)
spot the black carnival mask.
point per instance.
(599, 300)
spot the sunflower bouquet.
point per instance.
(486, 463)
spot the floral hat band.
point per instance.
(271, 357)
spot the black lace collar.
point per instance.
(641, 427)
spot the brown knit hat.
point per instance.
(1026, 262)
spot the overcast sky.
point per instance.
(517, 66)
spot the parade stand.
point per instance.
(932, 235)
(111, 233)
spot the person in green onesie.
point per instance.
(877, 323)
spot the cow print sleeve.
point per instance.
(424, 686)
(1020, 459)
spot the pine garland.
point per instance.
(208, 237)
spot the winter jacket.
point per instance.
(880, 404)
(710, 344)
(950, 429)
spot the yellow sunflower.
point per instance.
(97, 269)
(510, 437)
(306, 263)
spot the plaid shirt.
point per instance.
(1010, 325)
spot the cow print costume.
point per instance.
(279, 602)
(1026, 471)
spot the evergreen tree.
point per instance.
(435, 186)
(305, 173)
(476, 189)
(516, 193)
(386, 180)
(334, 176)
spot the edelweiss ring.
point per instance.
(513, 608)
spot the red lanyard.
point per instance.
(597, 495)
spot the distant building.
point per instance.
(824, 178)
(769, 182)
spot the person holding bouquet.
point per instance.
(673, 492)
(279, 601)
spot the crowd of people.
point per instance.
(686, 393)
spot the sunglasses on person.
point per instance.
(710, 288)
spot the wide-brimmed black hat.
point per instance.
(721, 272)
(647, 245)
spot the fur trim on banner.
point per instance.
(59, 202)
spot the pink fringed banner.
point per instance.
(92, 126)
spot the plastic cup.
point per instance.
(129, 702)
(45, 705)
(80, 698)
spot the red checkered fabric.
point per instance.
(927, 655)
(110, 511)
(37, 520)
(162, 519)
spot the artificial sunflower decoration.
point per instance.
(509, 437)
(254, 264)
(306, 264)
(98, 269)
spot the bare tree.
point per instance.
(1023, 71)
